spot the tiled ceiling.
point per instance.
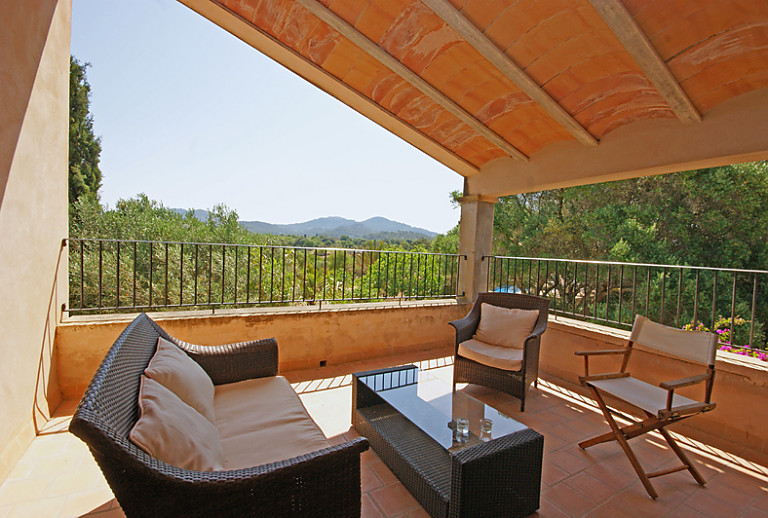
(485, 79)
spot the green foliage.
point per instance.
(84, 146)
(141, 218)
(447, 243)
(712, 217)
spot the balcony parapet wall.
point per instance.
(306, 335)
(739, 423)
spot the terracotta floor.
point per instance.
(58, 478)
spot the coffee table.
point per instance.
(409, 416)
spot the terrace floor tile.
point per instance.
(597, 482)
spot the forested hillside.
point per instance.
(145, 219)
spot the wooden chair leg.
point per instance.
(619, 436)
(609, 436)
(682, 456)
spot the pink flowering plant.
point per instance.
(724, 338)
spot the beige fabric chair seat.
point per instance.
(263, 420)
(505, 358)
(640, 394)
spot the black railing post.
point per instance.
(117, 277)
(695, 321)
(181, 275)
(101, 258)
(754, 305)
(714, 301)
(733, 311)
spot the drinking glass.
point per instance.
(486, 425)
(462, 429)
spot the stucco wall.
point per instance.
(738, 424)
(34, 86)
(305, 336)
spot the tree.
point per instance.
(84, 146)
(711, 217)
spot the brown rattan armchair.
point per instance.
(323, 483)
(514, 382)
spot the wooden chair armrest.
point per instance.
(683, 382)
(682, 410)
(606, 376)
(600, 352)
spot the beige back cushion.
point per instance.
(174, 432)
(174, 369)
(696, 346)
(507, 327)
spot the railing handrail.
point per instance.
(243, 245)
(620, 263)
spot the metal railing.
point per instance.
(107, 275)
(732, 302)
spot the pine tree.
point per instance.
(84, 146)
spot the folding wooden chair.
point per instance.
(661, 405)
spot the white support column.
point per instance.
(475, 240)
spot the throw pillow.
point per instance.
(174, 369)
(174, 432)
(507, 327)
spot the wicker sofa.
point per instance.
(325, 482)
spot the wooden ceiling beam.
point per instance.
(245, 30)
(624, 27)
(386, 59)
(509, 68)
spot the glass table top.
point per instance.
(431, 404)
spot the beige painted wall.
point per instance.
(738, 424)
(305, 336)
(34, 86)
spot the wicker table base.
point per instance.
(498, 477)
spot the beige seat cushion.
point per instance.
(639, 393)
(492, 355)
(263, 420)
(174, 369)
(507, 327)
(174, 432)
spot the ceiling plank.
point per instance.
(254, 36)
(386, 59)
(621, 23)
(509, 68)
(732, 132)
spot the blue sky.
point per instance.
(192, 116)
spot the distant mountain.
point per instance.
(200, 214)
(373, 228)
